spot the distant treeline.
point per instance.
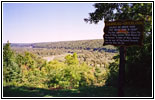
(95, 45)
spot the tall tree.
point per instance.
(10, 67)
(8, 54)
(139, 59)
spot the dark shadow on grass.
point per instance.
(98, 91)
(105, 91)
(12, 91)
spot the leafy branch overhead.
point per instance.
(120, 11)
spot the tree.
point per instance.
(10, 67)
(29, 60)
(117, 11)
(139, 59)
(8, 55)
(71, 59)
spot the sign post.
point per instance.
(121, 76)
(123, 33)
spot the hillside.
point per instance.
(90, 51)
(80, 44)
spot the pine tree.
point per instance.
(10, 67)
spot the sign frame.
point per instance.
(140, 23)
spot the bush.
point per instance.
(29, 70)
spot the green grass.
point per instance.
(106, 91)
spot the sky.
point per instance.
(48, 22)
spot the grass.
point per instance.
(106, 91)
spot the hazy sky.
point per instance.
(48, 22)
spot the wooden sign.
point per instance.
(125, 33)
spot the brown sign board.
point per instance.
(123, 33)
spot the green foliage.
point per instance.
(35, 72)
(57, 48)
(71, 59)
(29, 60)
(26, 69)
(139, 67)
(20, 60)
(120, 11)
(139, 59)
(11, 69)
(70, 74)
(112, 79)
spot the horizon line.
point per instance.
(51, 41)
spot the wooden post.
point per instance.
(121, 76)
